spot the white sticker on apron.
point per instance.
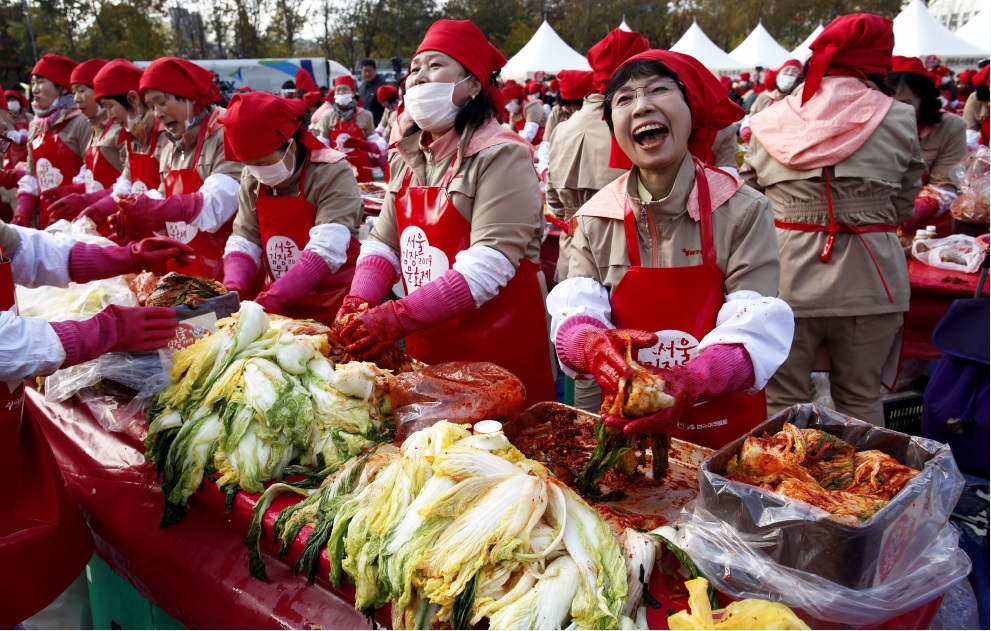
(48, 175)
(421, 262)
(282, 253)
(673, 348)
(180, 231)
(138, 188)
(91, 184)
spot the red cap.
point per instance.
(744, 76)
(911, 65)
(16, 94)
(609, 54)
(967, 76)
(55, 68)
(118, 77)
(853, 45)
(576, 84)
(180, 78)
(466, 44)
(791, 63)
(346, 79)
(258, 123)
(554, 85)
(534, 87)
(981, 77)
(386, 93)
(312, 99)
(769, 80)
(512, 91)
(85, 73)
(707, 98)
(305, 82)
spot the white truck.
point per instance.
(268, 75)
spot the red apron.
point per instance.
(17, 153)
(100, 174)
(680, 304)
(510, 330)
(285, 224)
(55, 164)
(358, 158)
(144, 167)
(209, 246)
(44, 541)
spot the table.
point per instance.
(933, 291)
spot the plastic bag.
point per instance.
(132, 370)
(460, 392)
(957, 252)
(971, 177)
(75, 302)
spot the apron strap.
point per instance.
(452, 170)
(199, 145)
(632, 238)
(705, 213)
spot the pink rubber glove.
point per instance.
(52, 195)
(92, 262)
(371, 147)
(586, 345)
(10, 177)
(308, 272)
(24, 214)
(745, 134)
(926, 208)
(373, 277)
(142, 215)
(99, 211)
(378, 328)
(70, 206)
(719, 369)
(116, 329)
(239, 269)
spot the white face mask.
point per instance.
(274, 174)
(513, 107)
(14, 106)
(944, 80)
(344, 99)
(785, 82)
(432, 105)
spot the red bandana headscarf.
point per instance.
(854, 45)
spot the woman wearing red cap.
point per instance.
(299, 207)
(680, 256)
(526, 116)
(20, 118)
(976, 109)
(942, 138)
(200, 186)
(840, 162)
(461, 225)
(350, 128)
(57, 139)
(784, 80)
(567, 100)
(388, 98)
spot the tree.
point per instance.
(286, 24)
(248, 42)
(126, 29)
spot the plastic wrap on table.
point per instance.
(132, 370)
(957, 252)
(460, 392)
(75, 302)
(971, 177)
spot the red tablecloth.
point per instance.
(933, 291)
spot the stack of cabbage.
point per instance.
(255, 397)
(453, 528)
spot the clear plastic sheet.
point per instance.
(971, 178)
(460, 392)
(133, 370)
(957, 252)
(756, 543)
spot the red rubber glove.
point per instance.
(89, 262)
(371, 147)
(239, 269)
(153, 253)
(116, 329)
(142, 215)
(586, 345)
(745, 134)
(24, 214)
(52, 195)
(308, 272)
(380, 327)
(10, 177)
(353, 143)
(373, 277)
(100, 210)
(717, 370)
(71, 206)
(926, 208)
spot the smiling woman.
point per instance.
(677, 254)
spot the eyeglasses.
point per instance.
(5, 144)
(653, 93)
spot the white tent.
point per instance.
(697, 44)
(917, 33)
(624, 26)
(802, 51)
(977, 31)
(760, 50)
(545, 51)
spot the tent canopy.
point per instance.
(624, 26)
(697, 44)
(977, 31)
(802, 51)
(760, 50)
(917, 33)
(545, 51)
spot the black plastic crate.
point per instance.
(904, 414)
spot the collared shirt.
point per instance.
(439, 148)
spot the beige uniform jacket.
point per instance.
(556, 117)
(877, 184)
(974, 112)
(495, 190)
(764, 100)
(742, 228)
(211, 160)
(111, 148)
(725, 149)
(388, 118)
(362, 118)
(534, 112)
(943, 147)
(579, 166)
(75, 134)
(331, 188)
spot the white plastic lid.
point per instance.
(920, 233)
(931, 229)
(487, 427)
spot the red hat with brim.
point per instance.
(180, 78)
(575, 84)
(118, 77)
(258, 123)
(85, 73)
(465, 43)
(55, 68)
